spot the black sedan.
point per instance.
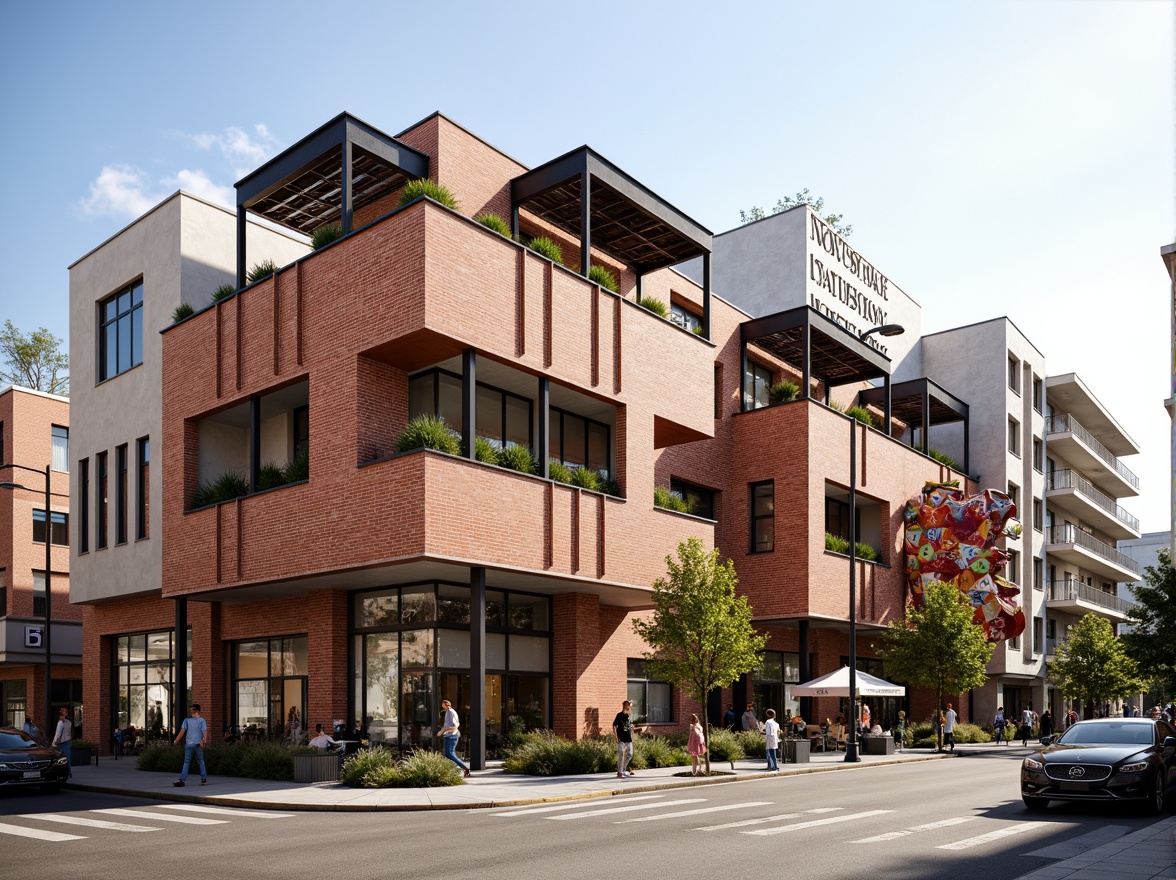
(24, 761)
(1104, 760)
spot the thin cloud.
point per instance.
(238, 146)
(119, 190)
(200, 184)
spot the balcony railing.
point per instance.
(1069, 534)
(1071, 479)
(1063, 423)
(1051, 646)
(1072, 591)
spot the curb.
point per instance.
(230, 801)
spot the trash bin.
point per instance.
(879, 745)
(796, 751)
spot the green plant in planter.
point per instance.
(836, 543)
(608, 485)
(697, 330)
(183, 310)
(429, 431)
(546, 247)
(782, 392)
(518, 458)
(222, 291)
(494, 223)
(865, 551)
(440, 193)
(863, 415)
(654, 305)
(297, 468)
(603, 277)
(264, 269)
(667, 500)
(270, 476)
(587, 479)
(325, 234)
(226, 487)
(559, 471)
(943, 458)
(485, 451)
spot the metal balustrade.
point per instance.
(1064, 423)
(1071, 479)
(1070, 534)
(1071, 591)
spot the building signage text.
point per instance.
(853, 307)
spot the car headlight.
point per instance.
(1030, 764)
(1137, 767)
(4, 766)
(61, 761)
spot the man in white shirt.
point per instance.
(449, 733)
(949, 723)
(322, 741)
(772, 739)
(1026, 724)
(63, 737)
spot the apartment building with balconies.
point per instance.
(34, 449)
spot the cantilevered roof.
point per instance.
(302, 187)
(627, 221)
(906, 402)
(836, 356)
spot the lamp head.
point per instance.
(885, 330)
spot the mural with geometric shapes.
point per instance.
(950, 537)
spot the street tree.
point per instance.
(804, 197)
(937, 646)
(1153, 621)
(700, 635)
(34, 360)
(1092, 665)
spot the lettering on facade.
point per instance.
(836, 247)
(852, 306)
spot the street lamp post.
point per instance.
(46, 634)
(851, 742)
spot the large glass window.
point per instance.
(652, 698)
(772, 684)
(578, 441)
(60, 448)
(59, 534)
(699, 501)
(15, 702)
(763, 517)
(756, 382)
(412, 648)
(269, 689)
(38, 594)
(120, 332)
(143, 674)
(502, 418)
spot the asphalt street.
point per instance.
(959, 818)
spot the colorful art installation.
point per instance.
(951, 538)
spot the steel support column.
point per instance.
(346, 187)
(242, 226)
(180, 689)
(541, 452)
(585, 223)
(469, 384)
(706, 295)
(254, 440)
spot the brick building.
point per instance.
(34, 446)
(321, 574)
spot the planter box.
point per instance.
(81, 757)
(796, 751)
(878, 745)
(317, 768)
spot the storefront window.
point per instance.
(773, 682)
(269, 689)
(143, 672)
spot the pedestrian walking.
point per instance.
(449, 734)
(999, 724)
(772, 736)
(695, 744)
(622, 727)
(750, 722)
(900, 729)
(949, 723)
(194, 733)
(63, 737)
(1026, 725)
(1046, 727)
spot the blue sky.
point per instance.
(997, 158)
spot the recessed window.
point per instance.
(1037, 574)
(120, 494)
(578, 442)
(1014, 436)
(763, 517)
(1014, 374)
(1015, 565)
(653, 699)
(1037, 630)
(38, 594)
(143, 488)
(1014, 494)
(59, 533)
(685, 318)
(502, 418)
(756, 383)
(699, 501)
(1037, 393)
(1038, 454)
(120, 331)
(60, 448)
(100, 541)
(84, 507)
(1038, 515)
(837, 518)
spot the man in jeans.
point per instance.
(194, 733)
(949, 725)
(63, 737)
(449, 734)
(623, 730)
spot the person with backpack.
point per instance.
(999, 724)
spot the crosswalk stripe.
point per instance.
(162, 817)
(37, 833)
(1019, 828)
(930, 826)
(678, 813)
(579, 805)
(89, 823)
(765, 819)
(590, 813)
(227, 811)
(830, 821)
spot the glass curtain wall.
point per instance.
(412, 649)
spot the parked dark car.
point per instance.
(24, 761)
(1104, 760)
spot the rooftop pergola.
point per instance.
(821, 347)
(341, 166)
(586, 196)
(923, 403)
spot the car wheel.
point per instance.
(1155, 803)
(1035, 803)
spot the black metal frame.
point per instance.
(924, 402)
(588, 197)
(298, 187)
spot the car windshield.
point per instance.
(1108, 733)
(15, 739)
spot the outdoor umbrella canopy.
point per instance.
(836, 684)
